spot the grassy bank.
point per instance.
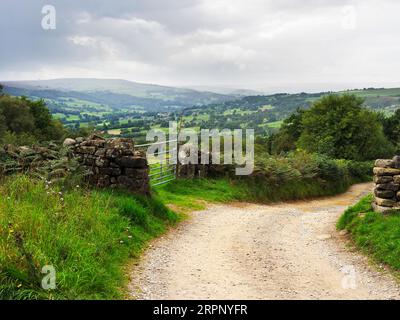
(188, 195)
(86, 235)
(375, 234)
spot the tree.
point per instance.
(3, 126)
(45, 126)
(27, 121)
(391, 128)
(17, 115)
(339, 126)
(289, 133)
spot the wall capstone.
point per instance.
(387, 184)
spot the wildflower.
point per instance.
(19, 286)
(130, 237)
(62, 199)
(77, 186)
(121, 241)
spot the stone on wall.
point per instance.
(386, 171)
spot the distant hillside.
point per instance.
(265, 113)
(227, 91)
(385, 100)
(112, 93)
(381, 99)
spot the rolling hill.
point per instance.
(112, 93)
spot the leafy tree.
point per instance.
(23, 121)
(46, 128)
(3, 125)
(17, 114)
(285, 139)
(391, 128)
(338, 126)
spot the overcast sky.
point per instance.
(270, 45)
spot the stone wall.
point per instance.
(112, 163)
(189, 170)
(199, 170)
(387, 184)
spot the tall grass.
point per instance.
(187, 195)
(86, 235)
(376, 234)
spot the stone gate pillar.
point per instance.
(387, 184)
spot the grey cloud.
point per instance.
(258, 43)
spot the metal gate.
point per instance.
(161, 172)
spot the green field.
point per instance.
(276, 124)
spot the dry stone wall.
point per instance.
(387, 184)
(112, 163)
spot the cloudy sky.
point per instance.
(266, 45)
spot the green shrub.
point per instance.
(300, 174)
(360, 170)
(23, 139)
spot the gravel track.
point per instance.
(247, 251)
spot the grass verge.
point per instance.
(188, 195)
(375, 234)
(88, 236)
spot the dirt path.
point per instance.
(283, 251)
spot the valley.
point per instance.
(130, 109)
